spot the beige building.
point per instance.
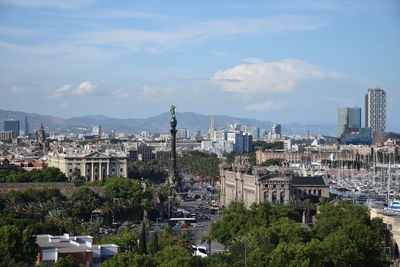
(93, 166)
(251, 184)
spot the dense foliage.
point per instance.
(262, 145)
(195, 163)
(44, 175)
(230, 158)
(273, 162)
(48, 211)
(344, 235)
(150, 170)
(17, 248)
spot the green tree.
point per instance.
(130, 260)
(142, 241)
(173, 256)
(155, 243)
(17, 247)
(68, 261)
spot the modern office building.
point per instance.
(276, 131)
(96, 130)
(12, 125)
(375, 110)
(349, 120)
(26, 126)
(361, 137)
(255, 132)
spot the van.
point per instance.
(201, 251)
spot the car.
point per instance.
(198, 225)
(185, 226)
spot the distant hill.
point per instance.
(159, 123)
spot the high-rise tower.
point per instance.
(13, 126)
(212, 128)
(349, 120)
(375, 110)
(26, 129)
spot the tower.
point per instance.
(375, 110)
(212, 127)
(13, 126)
(26, 129)
(349, 120)
(41, 138)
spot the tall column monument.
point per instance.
(173, 176)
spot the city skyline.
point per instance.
(282, 61)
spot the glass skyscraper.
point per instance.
(349, 120)
(12, 125)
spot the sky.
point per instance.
(283, 61)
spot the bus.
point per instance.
(181, 221)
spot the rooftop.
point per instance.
(67, 244)
(309, 181)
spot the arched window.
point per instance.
(282, 197)
(266, 196)
(273, 200)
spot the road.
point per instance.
(199, 232)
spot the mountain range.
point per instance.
(160, 123)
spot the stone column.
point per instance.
(92, 170)
(108, 168)
(100, 172)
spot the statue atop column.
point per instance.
(173, 177)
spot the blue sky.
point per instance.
(285, 61)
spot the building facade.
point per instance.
(81, 248)
(249, 184)
(349, 120)
(375, 110)
(13, 126)
(93, 166)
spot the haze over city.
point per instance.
(285, 61)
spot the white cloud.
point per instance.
(60, 91)
(159, 41)
(268, 77)
(85, 88)
(63, 4)
(265, 106)
(149, 90)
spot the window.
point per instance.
(202, 250)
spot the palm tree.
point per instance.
(146, 204)
(14, 206)
(128, 227)
(147, 224)
(42, 210)
(167, 231)
(107, 209)
(96, 224)
(207, 239)
(185, 239)
(161, 193)
(56, 217)
(30, 209)
(307, 206)
(292, 203)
